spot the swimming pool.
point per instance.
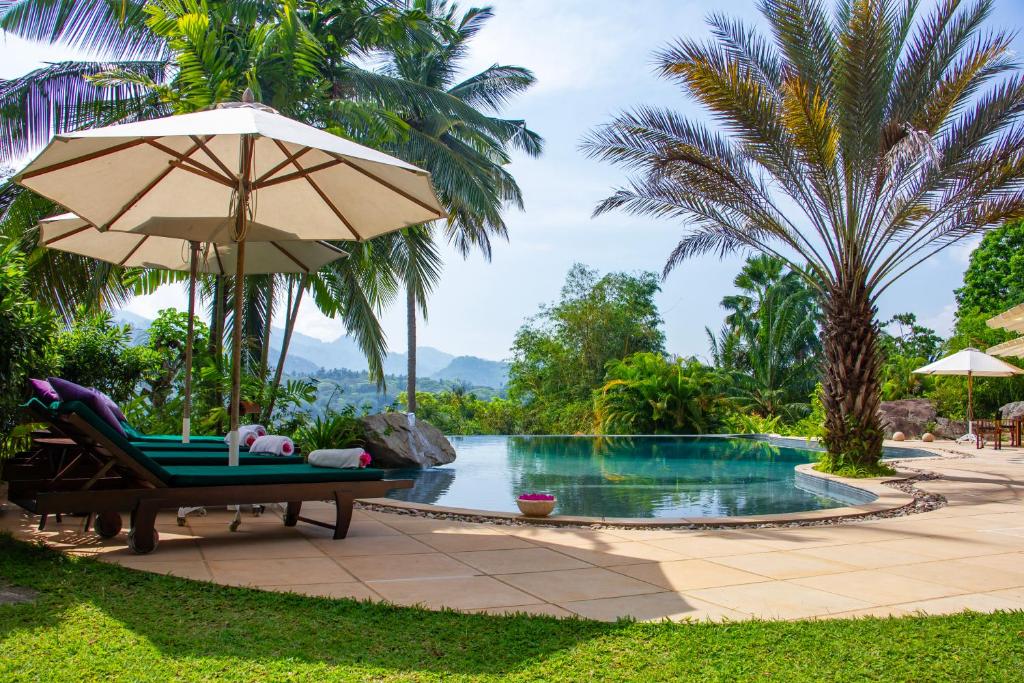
(649, 476)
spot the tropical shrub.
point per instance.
(647, 393)
(96, 352)
(339, 428)
(26, 329)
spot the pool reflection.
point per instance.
(621, 476)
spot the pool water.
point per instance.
(649, 476)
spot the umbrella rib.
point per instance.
(328, 245)
(396, 190)
(301, 173)
(134, 249)
(70, 233)
(220, 164)
(184, 161)
(142, 193)
(287, 253)
(81, 160)
(289, 158)
(323, 196)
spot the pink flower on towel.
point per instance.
(261, 430)
(365, 459)
(536, 496)
(250, 439)
(286, 448)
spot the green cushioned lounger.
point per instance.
(213, 458)
(266, 474)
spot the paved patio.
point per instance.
(967, 555)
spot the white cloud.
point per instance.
(942, 322)
(962, 250)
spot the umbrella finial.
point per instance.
(248, 97)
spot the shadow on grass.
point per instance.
(184, 618)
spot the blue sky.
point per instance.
(592, 58)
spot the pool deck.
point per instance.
(968, 554)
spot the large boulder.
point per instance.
(1012, 411)
(912, 416)
(397, 440)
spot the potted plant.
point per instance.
(536, 504)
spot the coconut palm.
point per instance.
(466, 155)
(853, 144)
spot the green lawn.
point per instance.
(101, 622)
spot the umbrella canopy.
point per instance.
(70, 233)
(306, 183)
(246, 167)
(970, 362)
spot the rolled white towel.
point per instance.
(341, 458)
(275, 445)
(248, 433)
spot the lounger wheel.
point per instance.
(181, 521)
(235, 523)
(107, 524)
(140, 545)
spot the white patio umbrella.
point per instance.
(70, 233)
(253, 173)
(972, 363)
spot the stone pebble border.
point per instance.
(896, 496)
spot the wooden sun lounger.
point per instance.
(128, 480)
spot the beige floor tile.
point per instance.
(620, 553)
(1013, 594)
(186, 569)
(363, 529)
(346, 589)
(589, 539)
(256, 547)
(653, 607)
(371, 545)
(275, 571)
(542, 609)
(181, 548)
(975, 574)
(784, 565)
(401, 567)
(647, 534)
(878, 587)
(463, 541)
(778, 600)
(864, 556)
(976, 602)
(710, 544)
(578, 584)
(465, 592)
(687, 574)
(518, 560)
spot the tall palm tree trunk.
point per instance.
(220, 298)
(265, 350)
(851, 389)
(410, 319)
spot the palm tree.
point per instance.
(891, 137)
(466, 155)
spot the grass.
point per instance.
(94, 621)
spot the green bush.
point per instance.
(335, 429)
(26, 329)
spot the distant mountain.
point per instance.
(478, 372)
(308, 355)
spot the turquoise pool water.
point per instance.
(650, 476)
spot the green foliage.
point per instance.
(647, 393)
(25, 332)
(95, 352)
(905, 347)
(340, 428)
(994, 279)
(460, 411)
(560, 355)
(769, 344)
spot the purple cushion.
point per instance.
(114, 408)
(69, 391)
(44, 391)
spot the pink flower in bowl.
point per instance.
(536, 496)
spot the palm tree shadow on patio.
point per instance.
(184, 618)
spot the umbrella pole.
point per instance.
(236, 336)
(186, 416)
(970, 403)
